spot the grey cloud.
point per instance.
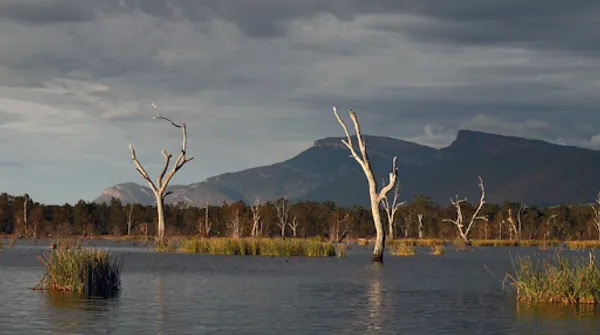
(46, 11)
(251, 76)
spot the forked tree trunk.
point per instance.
(160, 188)
(160, 204)
(375, 196)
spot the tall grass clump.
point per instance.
(89, 272)
(253, 247)
(402, 249)
(556, 280)
(438, 250)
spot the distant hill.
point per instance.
(513, 169)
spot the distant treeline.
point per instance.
(419, 218)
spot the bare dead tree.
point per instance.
(407, 219)
(294, 225)
(459, 221)
(375, 196)
(549, 224)
(420, 219)
(235, 222)
(256, 224)
(26, 205)
(338, 227)
(205, 225)
(512, 225)
(519, 213)
(130, 219)
(596, 209)
(391, 209)
(160, 188)
(283, 215)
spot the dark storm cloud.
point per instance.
(45, 11)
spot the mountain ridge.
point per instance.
(513, 168)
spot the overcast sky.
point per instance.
(255, 80)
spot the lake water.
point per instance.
(168, 293)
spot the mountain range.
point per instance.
(512, 168)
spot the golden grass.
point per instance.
(556, 280)
(438, 250)
(402, 249)
(581, 245)
(494, 243)
(253, 247)
(88, 271)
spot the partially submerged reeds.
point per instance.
(438, 250)
(402, 249)
(556, 280)
(253, 247)
(89, 271)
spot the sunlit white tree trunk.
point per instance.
(459, 221)
(375, 196)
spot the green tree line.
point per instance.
(421, 217)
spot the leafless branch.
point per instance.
(459, 221)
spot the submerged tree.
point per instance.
(375, 196)
(391, 209)
(459, 222)
(160, 188)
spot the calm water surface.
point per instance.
(167, 293)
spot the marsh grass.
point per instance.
(460, 244)
(556, 280)
(582, 245)
(90, 272)
(438, 250)
(423, 242)
(494, 243)
(402, 249)
(275, 247)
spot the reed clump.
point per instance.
(402, 249)
(438, 249)
(88, 271)
(556, 280)
(274, 247)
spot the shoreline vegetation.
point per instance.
(75, 241)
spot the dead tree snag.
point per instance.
(375, 196)
(160, 187)
(459, 221)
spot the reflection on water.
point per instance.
(160, 305)
(71, 301)
(528, 312)
(375, 299)
(72, 313)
